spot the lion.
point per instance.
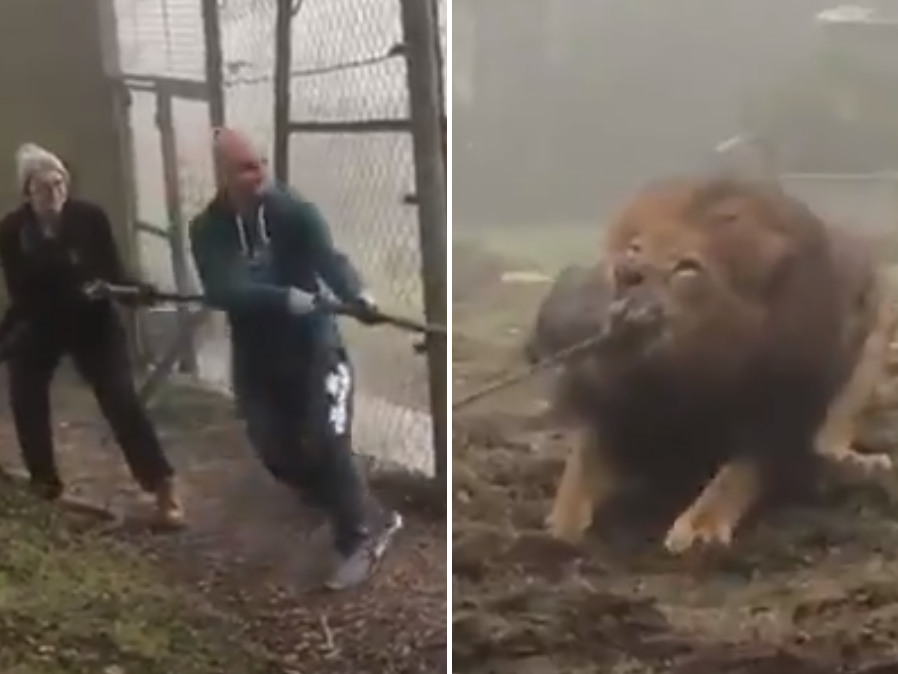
(744, 338)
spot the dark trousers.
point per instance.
(300, 425)
(100, 355)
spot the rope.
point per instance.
(525, 373)
(134, 294)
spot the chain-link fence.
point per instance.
(349, 150)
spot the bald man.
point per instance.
(264, 255)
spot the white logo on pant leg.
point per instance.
(338, 384)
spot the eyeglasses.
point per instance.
(49, 185)
(47, 181)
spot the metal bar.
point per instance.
(162, 369)
(177, 237)
(177, 87)
(421, 33)
(283, 59)
(352, 126)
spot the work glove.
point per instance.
(365, 310)
(300, 303)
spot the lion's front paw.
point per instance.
(569, 525)
(693, 529)
(872, 465)
(863, 465)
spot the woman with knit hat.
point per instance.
(53, 247)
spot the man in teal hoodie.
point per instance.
(264, 255)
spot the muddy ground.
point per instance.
(252, 549)
(810, 589)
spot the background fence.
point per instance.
(324, 84)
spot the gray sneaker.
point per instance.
(359, 566)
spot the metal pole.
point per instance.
(214, 63)
(283, 61)
(177, 235)
(421, 36)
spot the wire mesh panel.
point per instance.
(348, 69)
(163, 38)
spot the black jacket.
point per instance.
(45, 275)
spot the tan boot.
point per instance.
(169, 513)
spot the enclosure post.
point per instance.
(421, 34)
(283, 61)
(176, 234)
(214, 62)
(441, 82)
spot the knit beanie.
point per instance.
(32, 159)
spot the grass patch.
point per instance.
(72, 602)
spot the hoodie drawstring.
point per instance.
(262, 234)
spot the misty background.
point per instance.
(563, 109)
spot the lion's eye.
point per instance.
(686, 267)
(635, 248)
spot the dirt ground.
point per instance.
(811, 589)
(253, 551)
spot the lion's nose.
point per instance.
(628, 276)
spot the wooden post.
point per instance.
(421, 34)
(214, 63)
(283, 64)
(441, 83)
